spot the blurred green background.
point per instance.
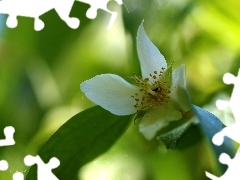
(40, 74)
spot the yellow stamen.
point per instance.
(152, 92)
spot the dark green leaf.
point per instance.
(81, 139)
(182, 136)
(171, 138)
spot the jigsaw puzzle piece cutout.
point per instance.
(12, 21)
(18, 176)
(234, 101)
(232, 131)
(112, 7)
(235, 98)
(63, 9)
(3, 165)
(9, 140)
(211, 176)
(5, 8)
(25, 8)
(44, 170)
(34, 9)
(100, 4)
(232, 172)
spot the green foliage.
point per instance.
(208, 124)
(85, 136)
(171, 138)
(40, 73)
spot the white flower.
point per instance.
(159, 94)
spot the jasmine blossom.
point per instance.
(159, 94)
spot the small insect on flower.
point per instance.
(158, 96)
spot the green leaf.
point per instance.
(210, 126)
(189, 132)
(171, 138)
(85, 136)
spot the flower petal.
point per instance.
(178, 89)
(111, 92)
(156, 119)
(150, 57)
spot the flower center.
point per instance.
(153, 91)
